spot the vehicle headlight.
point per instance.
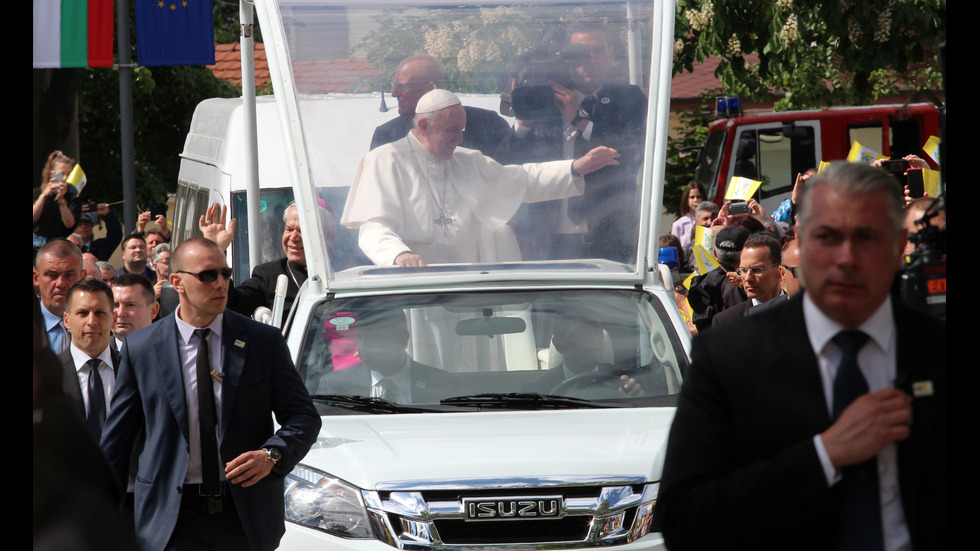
(318, 500)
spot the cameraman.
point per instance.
(593, 112)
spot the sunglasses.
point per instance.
(756, 271)
(209, 276)
(792, 270)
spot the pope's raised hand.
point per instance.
(596, 159)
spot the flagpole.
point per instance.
(126, 115)
(246, 15)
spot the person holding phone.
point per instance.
(54, 212)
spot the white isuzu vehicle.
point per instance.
(490, 433)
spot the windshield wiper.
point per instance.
(368, 404)
(516, 400)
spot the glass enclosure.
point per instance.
(471, 349)
(541, 84)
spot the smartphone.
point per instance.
(896, 167)
(913, 179)
(738, 207)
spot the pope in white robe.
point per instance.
(423, 200)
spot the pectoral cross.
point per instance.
(445, 222)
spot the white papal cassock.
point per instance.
(404, 199)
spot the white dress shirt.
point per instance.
(83, 371)
(877, 361)
(402, 384)
(187, 347)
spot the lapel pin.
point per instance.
(922, 388)
(240, 344)
(217, 376)
(605, 101)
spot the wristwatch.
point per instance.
(274, 454)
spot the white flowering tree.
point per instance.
(479, 46)
(820, 53)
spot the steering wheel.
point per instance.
(599, 379)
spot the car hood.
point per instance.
(373, 450)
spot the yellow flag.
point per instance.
(704, 261)
(741, 188)
(861, 154)
(930, 182)
(77, 178)
(932, 148)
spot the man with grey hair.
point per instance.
(260, 289)
(108, 271)
(421, 200)
(704, 214)
(826, 415)
(414, 76)
(57, 266)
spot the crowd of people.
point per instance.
(147, 358)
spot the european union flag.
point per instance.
(174, 32)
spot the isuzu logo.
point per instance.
(513, 508)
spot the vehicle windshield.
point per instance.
(460, 351)
(545, 82)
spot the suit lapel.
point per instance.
(235, 344)
(796, 354)
(170, 369)
(70, 382)
(114, 354)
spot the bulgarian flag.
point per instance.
(73, 33)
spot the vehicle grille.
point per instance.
(436, 515)
(462, 532)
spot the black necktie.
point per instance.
(578, 206)
(206, 416)
(857, 494)
(587, 107)
(96, 399)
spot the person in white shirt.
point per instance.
(826, 415)
(134, 304)
(90, 363)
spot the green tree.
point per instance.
(164, 99)
(858, 50)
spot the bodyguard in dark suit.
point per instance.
(418, 74)
(818, 424)
(760, 271)
(90, 363)
(204, 384)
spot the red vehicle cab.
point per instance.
(775, 147)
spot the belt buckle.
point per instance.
(215, 505)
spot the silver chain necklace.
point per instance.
(444, 220)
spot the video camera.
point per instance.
(529, 95)
(923, 279)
